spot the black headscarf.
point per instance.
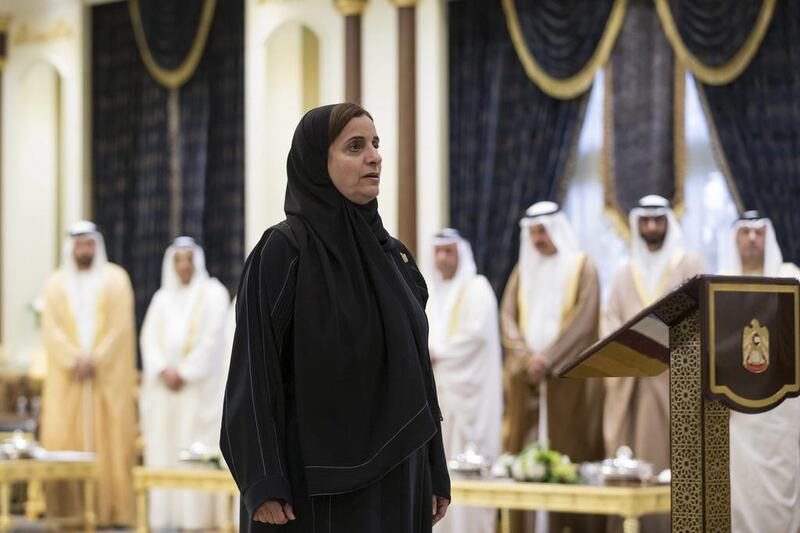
(360, 347)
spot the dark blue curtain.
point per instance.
(641, 83)
(509, 142)
(757, 118)
(563, 34)
(170, 27)
(130, 149)
(714, 30)
(212, 148)
(129, 162)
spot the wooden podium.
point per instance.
(729, 343)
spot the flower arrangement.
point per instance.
(538, 463)
(200, 454)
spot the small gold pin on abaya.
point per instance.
(404, 256)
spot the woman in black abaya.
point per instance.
(331, 422)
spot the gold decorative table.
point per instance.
(145, 478)
(36, 472)
(628, 502)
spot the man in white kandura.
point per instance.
(465, 351)
(182, 344)
(765, 447)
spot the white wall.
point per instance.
(284, 98)
(45, 134)
(268, 134)
(432, 125)
(379, 95)
(268, 137)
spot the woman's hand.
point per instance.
(273, 512)
(439, 508)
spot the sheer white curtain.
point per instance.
(583, 202)
(710, 209)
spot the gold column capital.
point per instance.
(351, 7)
(405, 3)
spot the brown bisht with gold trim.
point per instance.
(574, 406)
(550, 308)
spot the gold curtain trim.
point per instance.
(173, 78)
(716, 149)
(731, 70)
(566, 88)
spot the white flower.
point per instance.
(534, 471)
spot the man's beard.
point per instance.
(654, 239)
(84, 261)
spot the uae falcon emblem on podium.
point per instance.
(755, 347)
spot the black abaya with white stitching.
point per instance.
(260, 429)
(330, 393)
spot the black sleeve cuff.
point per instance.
(440, 476)
(441, 484)
(264, 490)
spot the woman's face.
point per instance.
(354, 163)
